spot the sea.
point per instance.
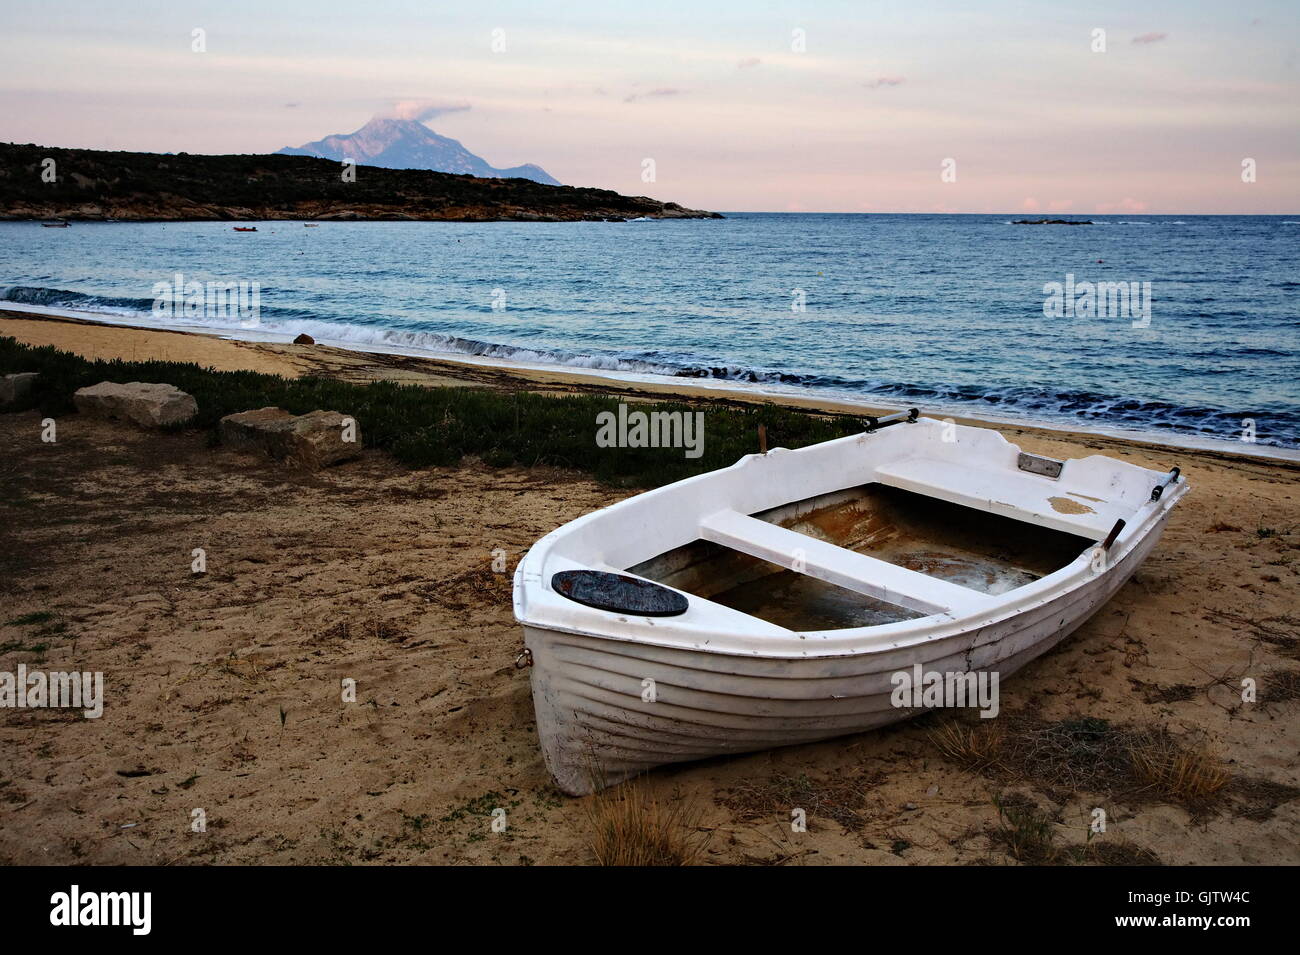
(1179, 329)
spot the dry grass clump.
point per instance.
(1189, 775)
(1281, 686)
(1113, 852)
(630, 826)
(975, 745)
(1085, 755)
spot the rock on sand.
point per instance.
(311, 440)
(149, 405)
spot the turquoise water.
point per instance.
(944, 312)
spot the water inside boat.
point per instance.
(985, 552)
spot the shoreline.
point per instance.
(93, 336)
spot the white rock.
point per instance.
(150, 405)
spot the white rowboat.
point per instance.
(772, 602)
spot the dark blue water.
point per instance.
(945, 312)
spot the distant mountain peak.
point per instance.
(409, 144)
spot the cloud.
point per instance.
(882, 81)
(422, 110)
(1146, 38)
(748, 63)
(660, 92)
(1126, 204)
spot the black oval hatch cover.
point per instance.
(618, 593)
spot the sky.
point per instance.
(742, 106)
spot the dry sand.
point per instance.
(223, 690)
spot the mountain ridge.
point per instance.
(409, 144)
(98, 185)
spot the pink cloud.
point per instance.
(1030, 204)
(883, 81)
(748, 63)
(1127, 204)
(1150, 38)
(422, 110)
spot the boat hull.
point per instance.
(608, 709)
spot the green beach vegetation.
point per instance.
(438, 426)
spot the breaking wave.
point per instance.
(1063, 406)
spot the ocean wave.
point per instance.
(123, 306)
(62, 298)
(1277, 427)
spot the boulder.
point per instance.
(311, 440)
(14, 388)
(247, 430)
(150, 405)
(304, 339)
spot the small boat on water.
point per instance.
(55, 225)
(776, 601)
(240, 228)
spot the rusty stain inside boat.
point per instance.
(985, 552)
(1064, 505)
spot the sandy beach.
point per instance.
(222, 690)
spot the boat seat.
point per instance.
(839, 566)
(1025, 497)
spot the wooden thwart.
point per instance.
(1018, 495)
(838, 565)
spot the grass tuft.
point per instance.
(1065, 758)
(1026, 832)
(1187, 774)
(632, 827)
(974, 745)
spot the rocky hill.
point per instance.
(94, 184)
